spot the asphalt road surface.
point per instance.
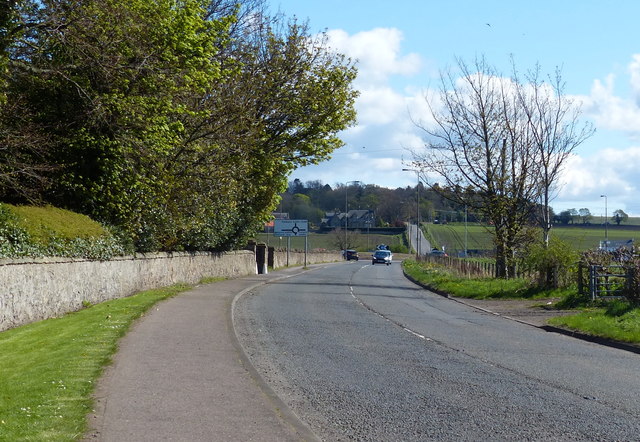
(418, 240)
(358, 352)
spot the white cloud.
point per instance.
(610, 111)
(611, 172)
(380, 106)
(377, 53)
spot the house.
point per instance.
(354, 219)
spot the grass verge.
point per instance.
(49, 368)
(440, 279)
(618, 321)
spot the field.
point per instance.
(452, 236)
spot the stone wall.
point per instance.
(36, 289)
(297, 258)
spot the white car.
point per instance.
(382, 256)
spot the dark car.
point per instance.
(382, 256)
(351, 254)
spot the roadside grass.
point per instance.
(440, 279)
(49, 368)
(619, 321)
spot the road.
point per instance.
(358, 352)
(417, 240)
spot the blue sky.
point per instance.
(401, 47)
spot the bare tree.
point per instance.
(341, 240)
(487, 148)
(555, 130)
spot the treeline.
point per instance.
(392, 207)
(584, 216)
(175, 121)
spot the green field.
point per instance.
(452, 236)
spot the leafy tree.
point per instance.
(567, 216)
(585, 215)
(178, 121)
(619, 216)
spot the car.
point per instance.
(381, 256)
(351, 254)
(436, 252)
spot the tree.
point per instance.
(352, 239)
(479, 141)
(499, 145)
(619, 216)
(553, 129)
(585, 215)
(177, 121)
(567, 216)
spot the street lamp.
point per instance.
(417, 211)
(346, 214)
(606, 230)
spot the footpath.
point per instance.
(181, 375)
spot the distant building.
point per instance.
(354, 219)
(613, 245)
(268, 227)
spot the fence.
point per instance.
(464, 267)
(606, 282)
(472, 269)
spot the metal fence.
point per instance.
(606, 282)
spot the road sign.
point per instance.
(291, 227)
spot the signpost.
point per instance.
(292, 227)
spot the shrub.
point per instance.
(556, 264)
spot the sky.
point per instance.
(402, 46)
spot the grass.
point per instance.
(49, 368)
(440, 279)
(618, 320)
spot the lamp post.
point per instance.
(346, 215)
(417, 211)
(606, 230)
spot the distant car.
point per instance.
(382, 256)
(352, 254)
(438, 253)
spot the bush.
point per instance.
(556, 264)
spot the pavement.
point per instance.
(180, 373)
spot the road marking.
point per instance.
(408, 330)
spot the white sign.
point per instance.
(290, 227)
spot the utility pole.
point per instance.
(417, 211)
